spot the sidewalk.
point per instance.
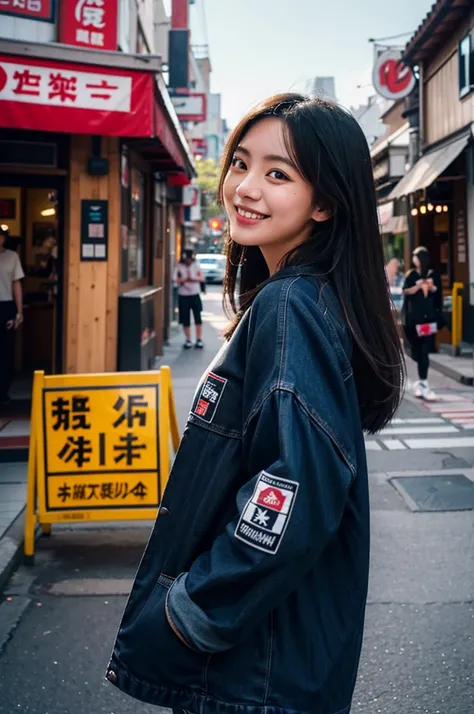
(187, 368)
(459, 368)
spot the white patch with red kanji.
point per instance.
(266, 515)
(209, 397)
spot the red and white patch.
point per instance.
(265, 517)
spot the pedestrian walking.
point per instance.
(188, 276)
(250, 596)
(11, 313)
(422, 316)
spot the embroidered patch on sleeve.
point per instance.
(265, 517)
(208, 399)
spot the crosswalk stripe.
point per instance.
(394, 444)
(448, 429)
(373, 446)
(456, 442)
(418, 420)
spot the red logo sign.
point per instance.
(391, 78)
(89, 23)
(271, 498)
(34, 9)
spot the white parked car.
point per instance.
(212, 266)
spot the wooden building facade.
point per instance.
(91, 198)
(439, 189)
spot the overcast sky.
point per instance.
(261, 47)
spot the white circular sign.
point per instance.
(391, 78)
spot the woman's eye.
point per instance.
(279, 175)
(237, 163)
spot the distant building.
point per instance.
(321, 87)
(369, 117)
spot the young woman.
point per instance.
(250, 596)
(422, 316)
(189, 276)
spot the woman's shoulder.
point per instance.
(298, 306)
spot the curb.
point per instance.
(11, 548)
(450, 372)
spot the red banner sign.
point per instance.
(77, 99)
(34, 9)
(89, 23)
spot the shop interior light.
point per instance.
(438, 209)
(48, 212)
(4, 227)
(430, 207)
(423, 209)
(445, 209)
(414, 211)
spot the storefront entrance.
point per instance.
(32, 210)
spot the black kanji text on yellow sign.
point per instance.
(99, 448)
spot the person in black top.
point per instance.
(422, 316)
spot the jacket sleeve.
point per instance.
(286, 515)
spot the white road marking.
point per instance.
(420, 430)
(465, 442)
(418, 420)
(394, 444)
(372, 446)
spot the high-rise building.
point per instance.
(321, 87)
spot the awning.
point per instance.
(397, 224)
(48, 95)
(429, 167)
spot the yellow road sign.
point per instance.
(99, 448)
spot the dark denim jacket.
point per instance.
(250, 596)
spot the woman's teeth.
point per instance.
(247, 214)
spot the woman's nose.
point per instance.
(249, 189)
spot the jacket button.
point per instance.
(112, 676)
(164, 511)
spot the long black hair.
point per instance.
(425, 262)
(332, 155)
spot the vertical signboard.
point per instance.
(89, 23)
(94, 230)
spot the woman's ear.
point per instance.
(321, 214)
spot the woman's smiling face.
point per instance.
(267, 201)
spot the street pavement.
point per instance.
(58, 620)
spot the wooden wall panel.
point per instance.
(444, 111)
(113, 273)
(91, 308)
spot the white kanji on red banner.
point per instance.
(55, 86)
(90, 13)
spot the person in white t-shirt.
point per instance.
(188, 276)
(11, 313)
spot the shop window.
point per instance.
(124, 25)
(466, 66)
(133, 228)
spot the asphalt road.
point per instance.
(58, 620)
